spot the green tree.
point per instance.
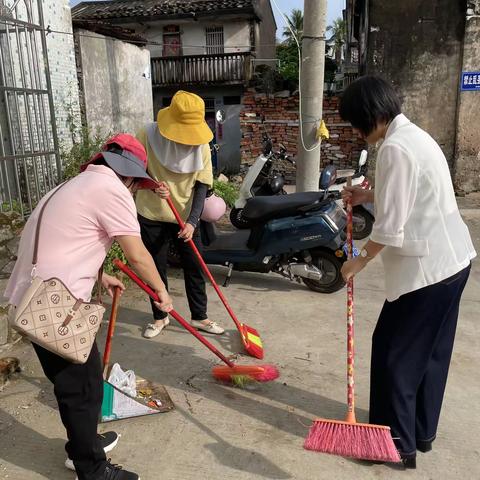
(339, 35)
(287, 53)
(295, 20)
(330, 69)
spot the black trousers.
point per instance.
(411, 350)
(156, 237)
(79, 393)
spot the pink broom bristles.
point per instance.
(270, 372)
(354, 440)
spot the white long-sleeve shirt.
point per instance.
(416, 214)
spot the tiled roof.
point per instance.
(106, 28)
(116, 9)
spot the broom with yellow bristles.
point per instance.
(349, 438)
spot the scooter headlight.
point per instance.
(336, 217)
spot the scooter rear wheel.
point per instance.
(237, 219)
(330, 266)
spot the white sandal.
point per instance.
(211, 327)
(152, 330)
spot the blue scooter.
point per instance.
(299, 236)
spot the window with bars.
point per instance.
(214, 40)
(354, 55)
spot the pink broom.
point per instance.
(349, 438)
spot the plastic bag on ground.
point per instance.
(124, 381)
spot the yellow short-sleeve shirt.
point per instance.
(151, 206)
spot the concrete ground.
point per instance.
(221, 432)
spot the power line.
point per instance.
(49, 30)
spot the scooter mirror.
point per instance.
(267, 147)
(221, 116)
(363, 158)
(328, 177)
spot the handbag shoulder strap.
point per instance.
(39, 221)
(37, 238)
(99, 284)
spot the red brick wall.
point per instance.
(281, 123)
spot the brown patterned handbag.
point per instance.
(50, 316)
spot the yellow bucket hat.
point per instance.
(184, 120)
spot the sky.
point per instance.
(335, 8)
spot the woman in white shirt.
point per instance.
(426, 251)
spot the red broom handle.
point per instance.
(204, 266)
(350, 319)
(111, 328)
(173, 313)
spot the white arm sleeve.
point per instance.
(395, 192)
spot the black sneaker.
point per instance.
(108, 440)
(116, 472)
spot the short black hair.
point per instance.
(101, 161)
(368, 101)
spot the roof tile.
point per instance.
(128, 8)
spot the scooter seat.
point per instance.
(261, 209)
(214, 239)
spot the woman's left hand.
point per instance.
(351, 267)
(110, 283)
(187, 232)
(162, 190)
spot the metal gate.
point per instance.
(29, 155)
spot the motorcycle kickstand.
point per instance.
(226, 283)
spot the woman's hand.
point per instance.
(357, 195)
(351, 267)
(163, 191)
(165, 301)
(110, 283)
(187, 232)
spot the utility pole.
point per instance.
(312, 79)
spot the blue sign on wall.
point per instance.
(471, 81)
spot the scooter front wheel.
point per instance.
(237, 219)
(330, 266)
(362, 223)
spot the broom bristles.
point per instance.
(244, 373)
(354, 440)
(252, 342)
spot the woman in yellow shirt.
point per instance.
(179, 156)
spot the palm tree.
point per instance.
(339, 33)
(295, 20)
